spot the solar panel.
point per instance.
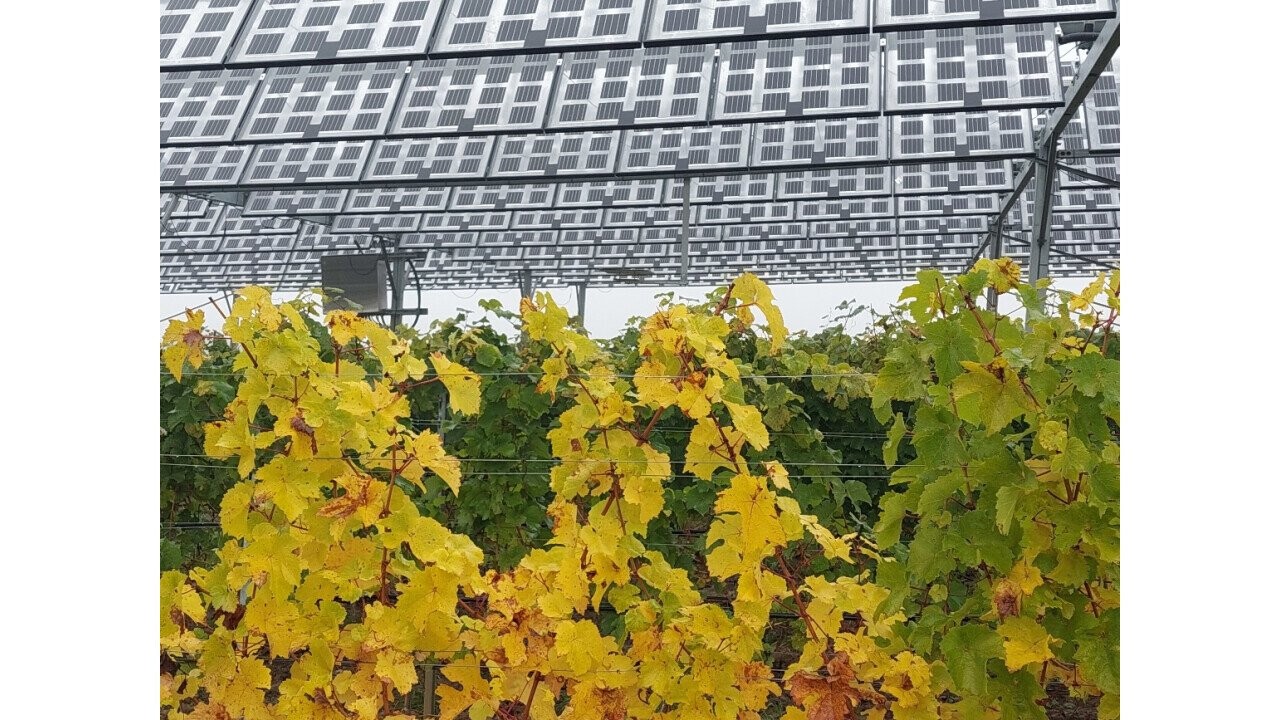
(676, 20)
(721, 146)
(799, 77)
(633, 87)
(502, 197)
(193, 226)
(554, 154)
(295, 202)
(844, 209)
(747, 213)
(609, 193)
(944, 225)
(183, 206)
(835, 182)
(852, 228)
(483, 26)
(198, 32)
(1102, 165)
(320, 30)
(551, 219)
(192, 167)
(233, 221)
(204, 105)
(473, 94)
(468, 221)
(430, 158)
(723, 188)
(391, 200)
(323, 101)
(307, 162)
(1102, 110)
(646, 217)
(972, 67)
(993, 132)
(934, 13)
(979, 204)
(377, 223)
(817, 142)
(954, 177)
(438, 240)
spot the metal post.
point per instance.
(582, 304)
(399, 276)
(1041, 229)
(997, 249)
(684, 234)
(526, 283)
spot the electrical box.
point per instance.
(354, 282)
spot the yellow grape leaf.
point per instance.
(751, 290)
(463, 385)
(748, 421)
(1003, 274)
(345, 326)
(1026, 576)
(580, 644)
(755, 504)
(1025, 642)
(184, 342)
(428, 448)
(777, 472)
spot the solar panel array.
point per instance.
(818, 141)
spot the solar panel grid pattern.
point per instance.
(195, 32)
(694, 19)
(489, 25)
(633, 87)
(204, 105)
(548, 107)
(972, 67)
(322, 101)
(475, 94)
(798, 77)
(320, 30)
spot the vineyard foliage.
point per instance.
(993, 569)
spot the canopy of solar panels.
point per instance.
(624, 141)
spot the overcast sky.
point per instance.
(804, 307)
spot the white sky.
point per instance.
(804, 307)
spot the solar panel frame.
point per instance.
(202, 166)
(199, 32)
(475, 94)
(962, 135)
(308, 162)
(798, 77)
(819, 141)
(294, 202)
(471, 26)
(430, 158)
(971, 68)
(685, 148)
(320, 31)
(629, 87)
(555, 154)
(898, 14)
(316, 102)
(204, 106)
(675, 21)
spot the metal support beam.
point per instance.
(684, 234)
(1090, 70)
(397, 276)
(582, 304)
(526, 283)
(1086, 175)
(997, 249)
(1041, 226)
